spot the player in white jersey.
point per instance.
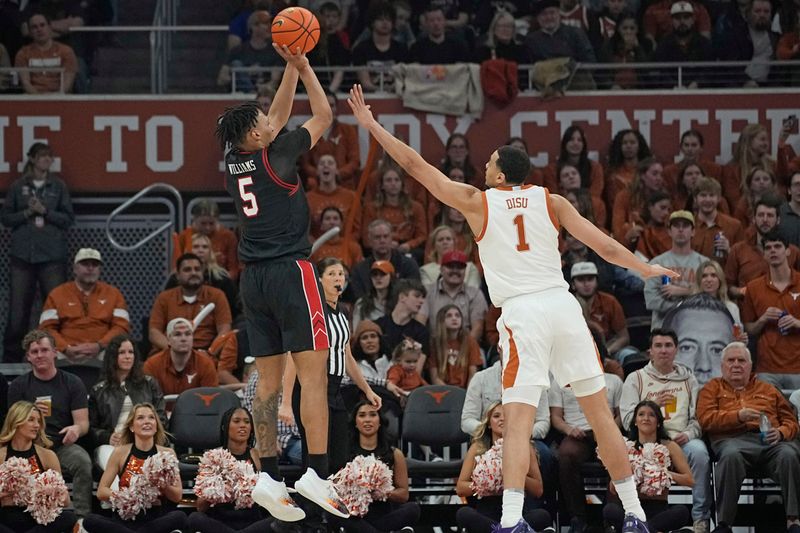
(541, 326)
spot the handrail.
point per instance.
(164, 227)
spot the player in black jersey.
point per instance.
(279, 286)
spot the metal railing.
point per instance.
(167, 226)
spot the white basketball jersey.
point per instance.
(519, 242)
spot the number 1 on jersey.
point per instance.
(522, 244)
(249, 202)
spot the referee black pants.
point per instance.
(338, 434)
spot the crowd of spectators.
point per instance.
(380, 34)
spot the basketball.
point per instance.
(296, 27)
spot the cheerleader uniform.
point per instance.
(225, 518)
(382, 516)
(154, 520)
(14, 519)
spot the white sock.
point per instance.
(626, 490)
(512, 507)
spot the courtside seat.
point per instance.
(432, 418)
(195, 424)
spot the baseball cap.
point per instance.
(583, 269)
(454, 256)
(681, 214)
(87, 253)
(384, 266)
(681, 7)
(172, 324)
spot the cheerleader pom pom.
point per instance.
(16, 480)
(361, 481)
(126, 503)
(244, 478)
(213, 482)
(487, 476)
(161, 470)
(47, 497)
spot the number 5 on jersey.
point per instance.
(249, 202)
(519, 222)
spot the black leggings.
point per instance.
(228, 521)
(337, 425)
(382, 516)
(486, 514)
(660, 515)
(14, 519)
(154, 520)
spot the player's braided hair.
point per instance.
(234, 123)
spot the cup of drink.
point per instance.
(665, 280)
(47, 409)
(671, 406)
(737, 331)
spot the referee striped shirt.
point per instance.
(338, 337)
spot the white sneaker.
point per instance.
(272, 496)
(321, 492)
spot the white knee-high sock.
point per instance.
(512, 507)
(626, 489)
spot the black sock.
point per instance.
(269, 465)
(319, 464)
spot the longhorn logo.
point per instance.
(207, 398)
(437, 396)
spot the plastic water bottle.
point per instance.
(784, 330)
(764, 426)
(718, 252)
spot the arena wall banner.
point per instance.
(123, 144)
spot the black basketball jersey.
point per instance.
(270, 200)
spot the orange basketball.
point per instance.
(296, 27)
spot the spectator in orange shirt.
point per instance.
(186, 300)
(404, 374)
(46, 52)
(627, 148)
(658, 21)
(456, 151)
(569, 179)
(746, 260)
(434, 209)
(574, 151)
(759, 182)
(179, 367)
(341, 246)
(627, 223)
(691, 151)
(330, 193)
(714, 232)
(339, 140)
(85, 314)
(729, 410)
(455, 354)
(227, 358)
(393, 204)
(654, 239)
(770, 310)
(205, 220)
(751, 150)
(602, 311)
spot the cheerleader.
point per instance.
(23, 436)
(142, 437)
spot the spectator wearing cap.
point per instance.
(660, 297)
(379, 240)
(658, 19)
(186, 301)
(256, 52)
(601, 310)
(715, 232)
(180, 367)
(554, 39)
(85, 314)
(442, 239)
(684, 44)
(450, 288)
(373, 304)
